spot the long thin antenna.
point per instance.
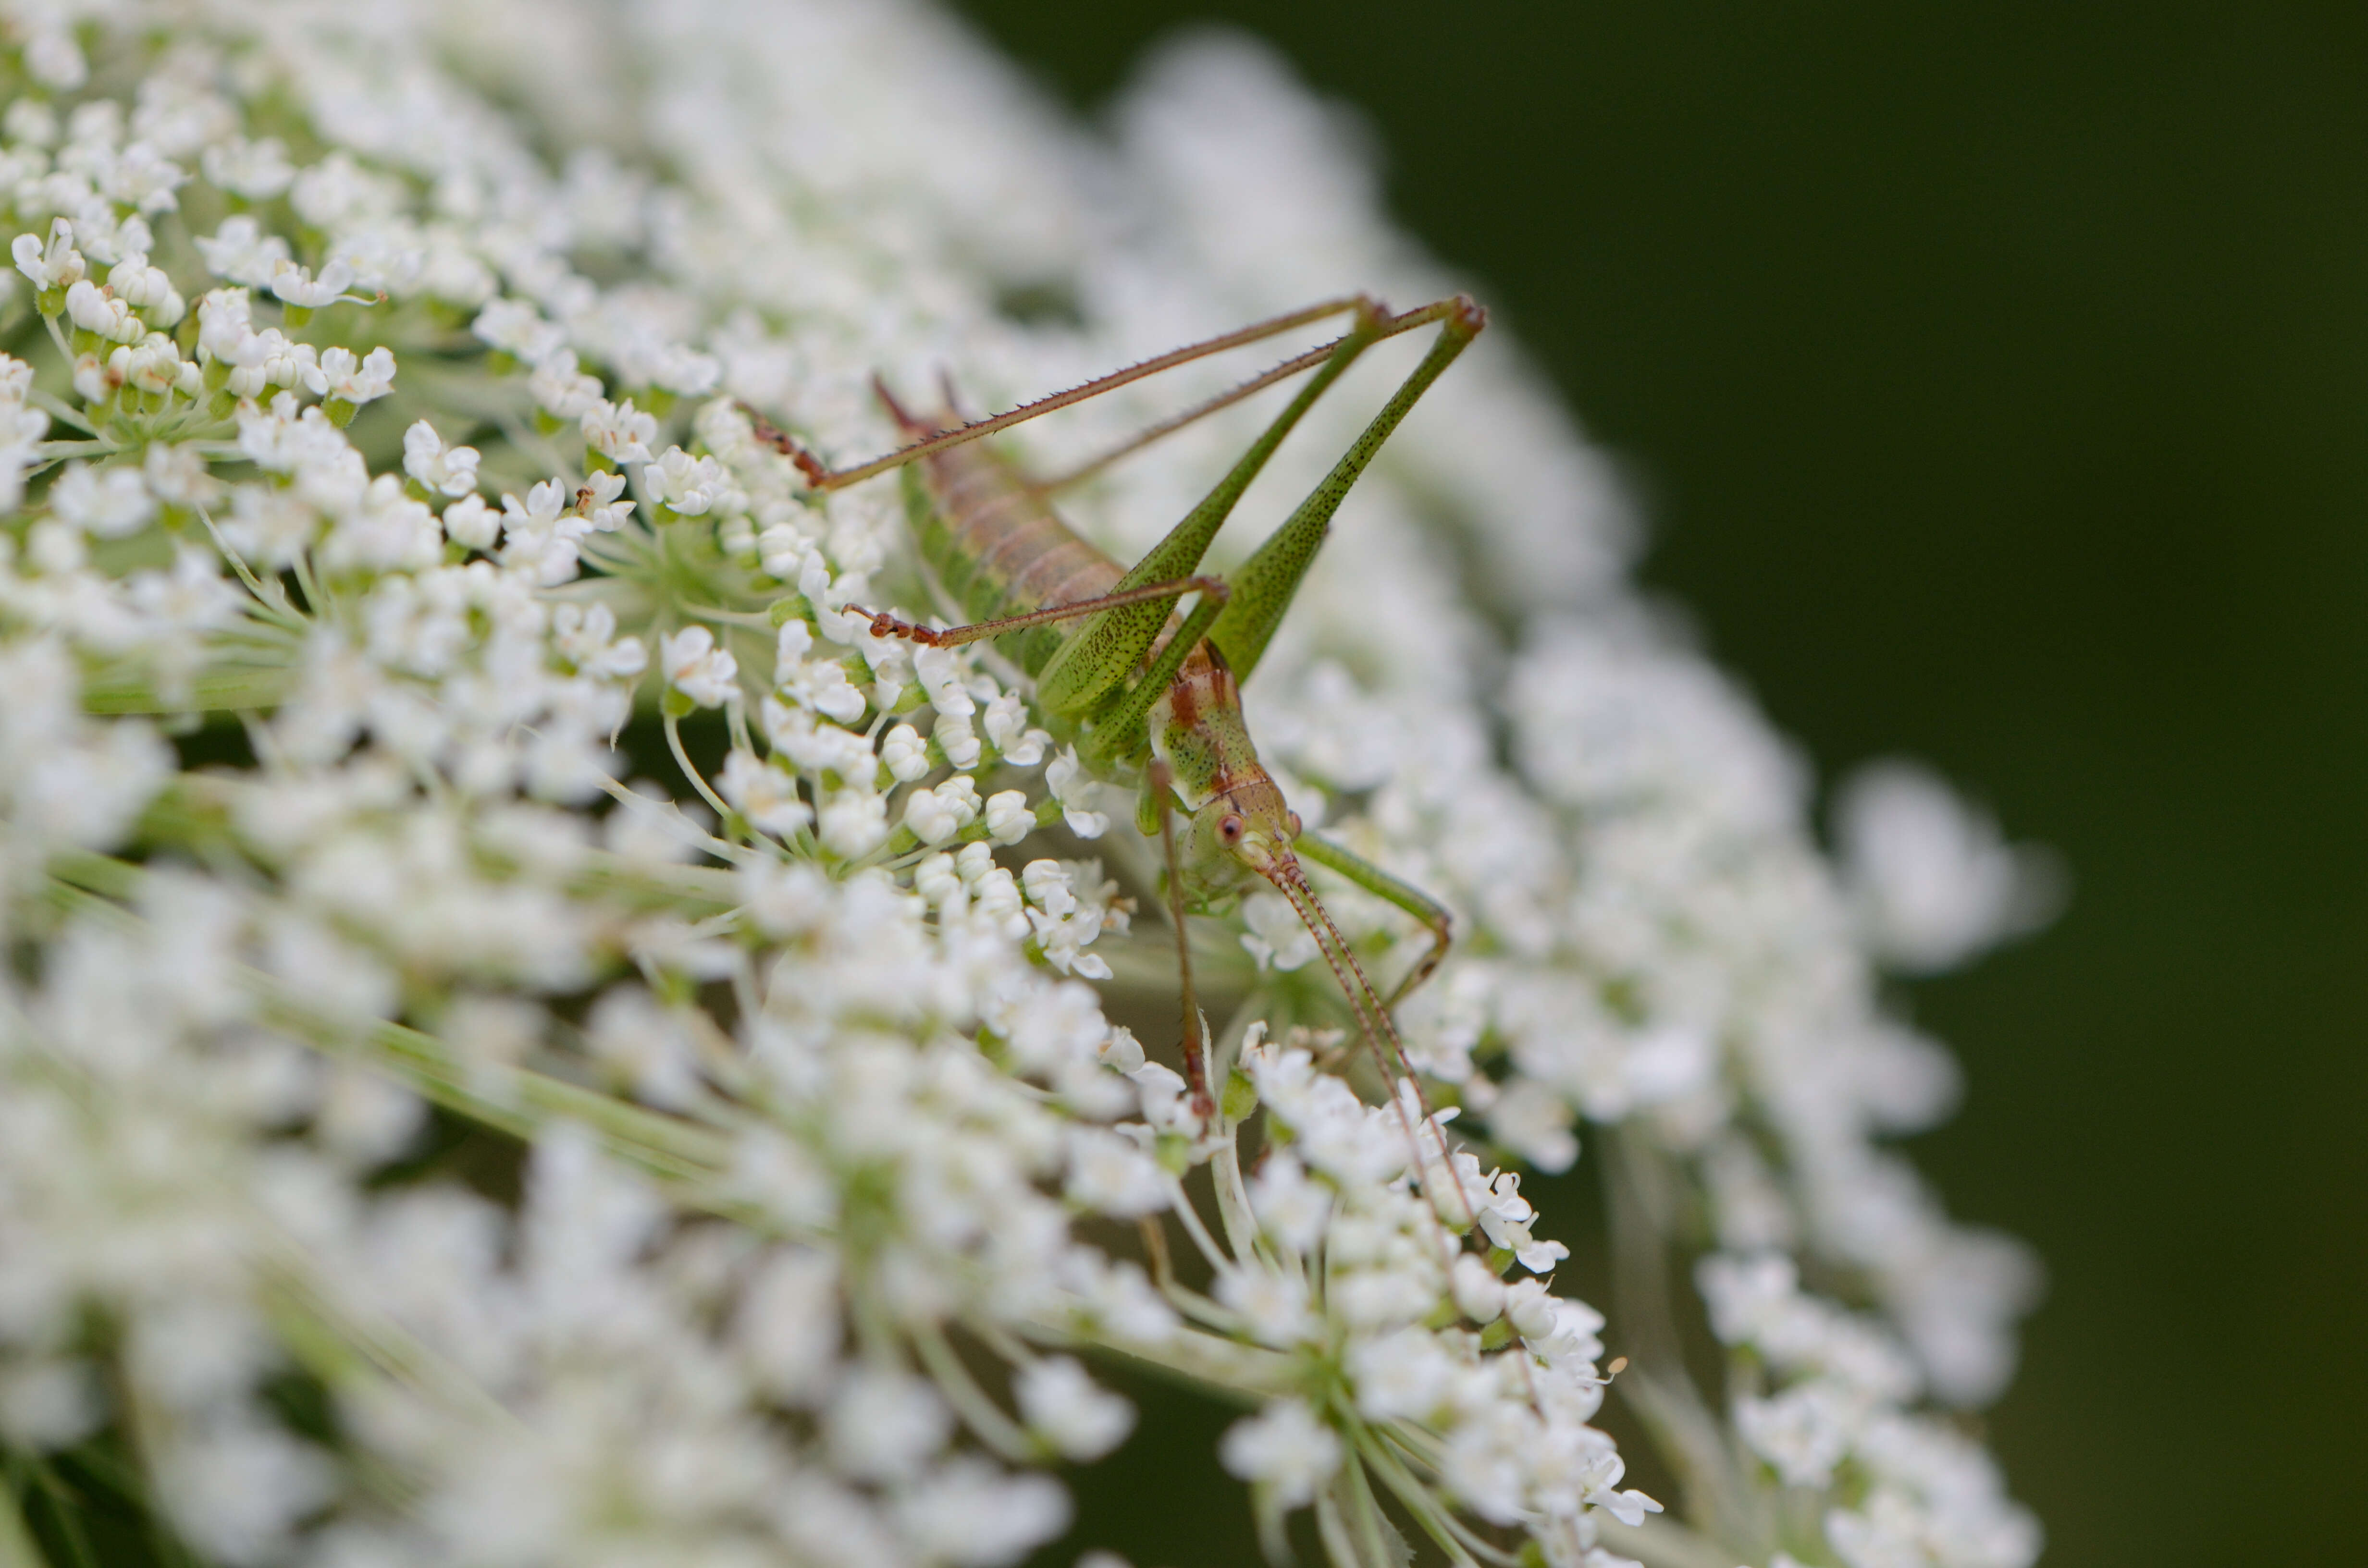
(1252, 388)
(822, 477)
(1389, 327)
(819, 475)
(1374, 1019)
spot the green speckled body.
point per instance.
(998, 548)
(1142, 682)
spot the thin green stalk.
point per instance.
(316, 604)
(1189, 1218)
(1662, 1542)
(722, 849)
(219, 689)
(275, 599)
(341, 1349)
(1657, 1384)
(1373, 1526)
(48, 452)
(1211, 1364)
(65, 349)
(698, 781)
(1232, 1194)
(1338, 1545)
(17, 1548)
(1424, 1504)
(760, 619)
(65, 1507)
(57, 408)
(985, 1418)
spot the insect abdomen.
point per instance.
(998, 548)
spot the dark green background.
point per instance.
(1995, 378)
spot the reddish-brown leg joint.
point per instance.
(887, 625)
(781, 441)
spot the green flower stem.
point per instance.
(985, 1418)
(1662, 1542)
(1422, 1503)
(722, 849)
(1656, 1384)
(1380, 1540)
(1234, 1199)
(516, 1101)
(342, 1349)
(221, 688)
(690, 1161)
(17, 1548)
(1340, 1549)
(689, 771)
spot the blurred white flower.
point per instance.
(450, 469)
(1932, 880)
(1282, 1448)
(1081, 1421)
(695, 666)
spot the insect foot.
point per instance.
(887, 625)
(781, 441)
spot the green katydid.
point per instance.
(1152, 694)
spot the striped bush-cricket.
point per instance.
(1152, 694)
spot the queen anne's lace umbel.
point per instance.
(371, 452)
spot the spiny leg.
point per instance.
(1093, 661)
(1126, 722)
(1212, 590)
(1267, 581)
(1277, 570)
(1385, 326)
(1160, 786)
(1373, 1022)
(1339, 858)
(822, 477)
(1274, 574)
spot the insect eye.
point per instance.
(1230, 829)
(1295, 829)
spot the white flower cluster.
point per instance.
(422, 1142)
(1445, 1371)
(1933, 881)
(1656, 945)
(1927, 1494)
